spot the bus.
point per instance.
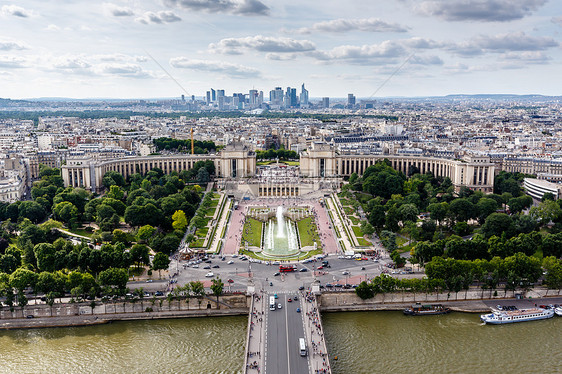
(302, 347)
(287, 268)
(271, 303)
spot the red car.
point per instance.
(320, 267)
(230, 281)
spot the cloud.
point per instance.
(71, 63)
(425, 60)
(280, 57)
(557, 20)
(241, 7)
(479, 10)
(52, 27)
(502, 43)
(16, 11)
(164, 16)
(117, 11)
(365, 54)
(12, 62)
(342, 25)
(6, 45)
(528, 57)
(226, 68)
(261, 44)
(127, 70)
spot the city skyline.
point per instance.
(141, 49)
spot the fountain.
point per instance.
(280, 237)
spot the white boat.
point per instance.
(558, 311)
(498, 317)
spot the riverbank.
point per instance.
(82, 314)
(90, 320)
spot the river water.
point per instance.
(389, 342)
(365, 343)
(191, 345)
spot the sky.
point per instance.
(371, 48)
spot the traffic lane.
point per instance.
(298, 364)
(276, 359)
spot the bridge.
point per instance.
(272, 345)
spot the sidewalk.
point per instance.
(319, 362)
(254, 361)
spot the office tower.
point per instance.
(260, 99)
(325, 102)
(304, 96)
(220, 93)
(213, 95)
(220, 99)
(276, 96)
(182, 97)
(293, 97)
(208, 97)
(350, 100)
(192, 98)
(253, 98)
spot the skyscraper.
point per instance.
(350, 100)
(304, 97)
(213, 95)
(325, 102)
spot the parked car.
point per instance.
(210, 274)
(279, 306)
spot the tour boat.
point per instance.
(498, 317)
(426, 309)
(558, 311)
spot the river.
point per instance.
(365, 343)
(389, 342)
(190, 345)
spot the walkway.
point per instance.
(272, 345)
(314, 332)
(255, 340)
(344, 239)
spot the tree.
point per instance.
(115, 192)
(179, 220)
(45, 255)
(485, 207)
(66, 212)
(367, 228)
(217, 287)
(197, 288)
(438, 211)
(140, 254)
(114, 277)
(202, 175)
(113, 178)
(408, 212)
(364, 291)
(497, 224)
(145, 232)
(160, 262)
(461, 209)
(546, 212)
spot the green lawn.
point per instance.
(348, 210)
(359, 234)
(81, 232)
(354, 220)
(201, 233)
(308, 232)
(252, 232)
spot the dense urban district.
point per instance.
(102, 200)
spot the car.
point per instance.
(30, 316)
(208, 261)
(216, 266)
(298, 310)
(210, 274)
(345, 272)
(230, 281)
(146, 294)
(362, 267)
(234, 256)
(329, 285)
(207, 267)
(230, 262)
(195, 266)
(320, 267)
(279, 306)
(271, 283)
(159, 293)
(149, 281)
(338, 285)
(223, 258)
(276, 274)
(275, 295)
(296, 297)
(243, 258)
(289, 300)
(301, 288)
(303, 270)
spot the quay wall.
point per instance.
(469, 301)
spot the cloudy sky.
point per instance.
(153, 48)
